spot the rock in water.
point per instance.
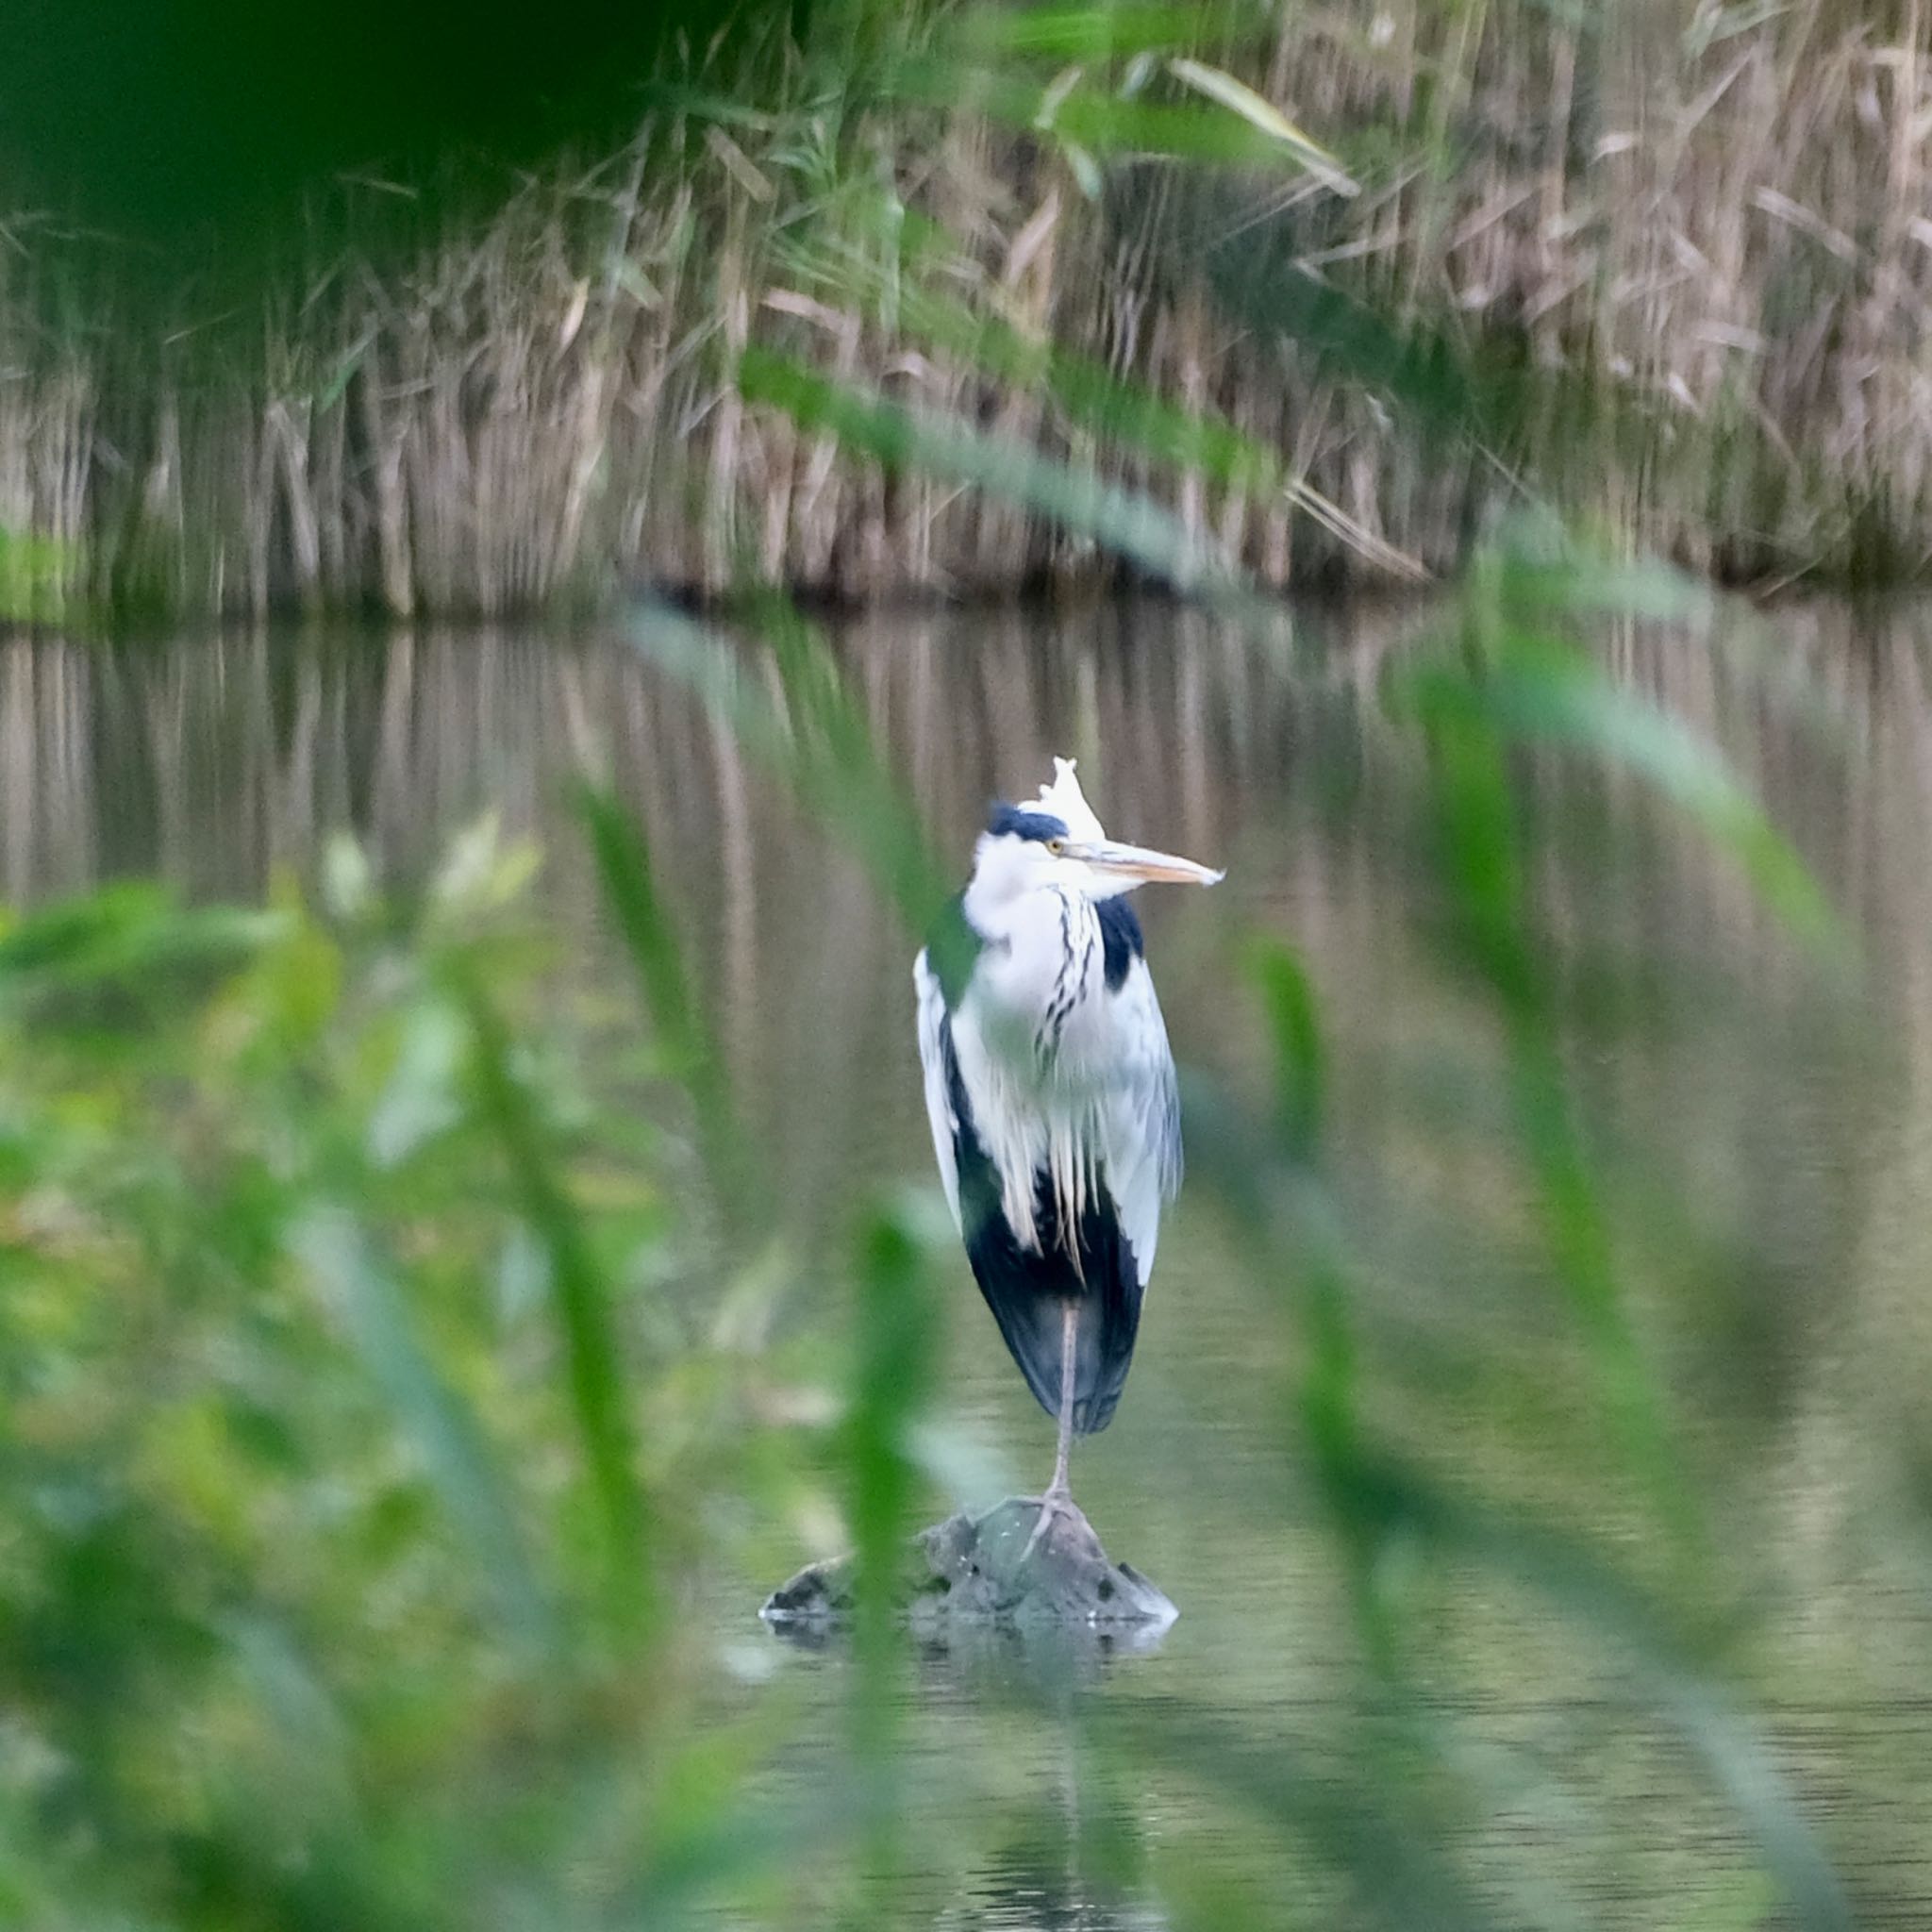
(975, 1570)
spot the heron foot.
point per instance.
(1055, 1504)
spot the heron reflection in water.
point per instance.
(1050, 1087)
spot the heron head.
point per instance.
(1058, 840)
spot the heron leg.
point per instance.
(1070, 1341)
(1058, 1499)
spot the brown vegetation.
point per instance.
(1677, 261)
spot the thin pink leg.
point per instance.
(1058, 1499)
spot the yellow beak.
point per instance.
(1138, 862)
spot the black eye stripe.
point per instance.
(1013, 821)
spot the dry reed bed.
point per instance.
(1704, 247)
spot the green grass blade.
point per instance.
(893, 1375)
(1294, 1023)
(592, 1360)
(454, 1449)
(685, 1038)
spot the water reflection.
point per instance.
(1004, 1657)
(1769, 1139)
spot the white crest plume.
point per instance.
(1064, 799)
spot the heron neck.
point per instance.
(1040, 951)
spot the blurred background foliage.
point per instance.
(301, 316)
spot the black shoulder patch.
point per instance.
(1022, 822)
(952, 948)
(1120, 938)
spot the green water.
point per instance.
(1764, 1124)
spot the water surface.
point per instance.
(1763, 1125)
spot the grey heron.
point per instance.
(1050, 1089)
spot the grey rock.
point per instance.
(975, 1570)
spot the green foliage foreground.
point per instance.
(389, 1372)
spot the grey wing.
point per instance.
(1141, 1120)
(932, 1059)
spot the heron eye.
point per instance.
(1056, 846)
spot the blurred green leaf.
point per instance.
(897, 1331)
(1128, 414)
(1105, 121)
(118, 959)
(1004, 34)
(420, 1098)
(1294, 1021)
(456, 1454)
(1451, 389)
(581, 1297)
(1746, 1770)
(1237, 97)
(41, 577)
(813, 735)
(1543, 693)
(689, 1052)
(1118, 520)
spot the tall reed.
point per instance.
(1680, 264)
